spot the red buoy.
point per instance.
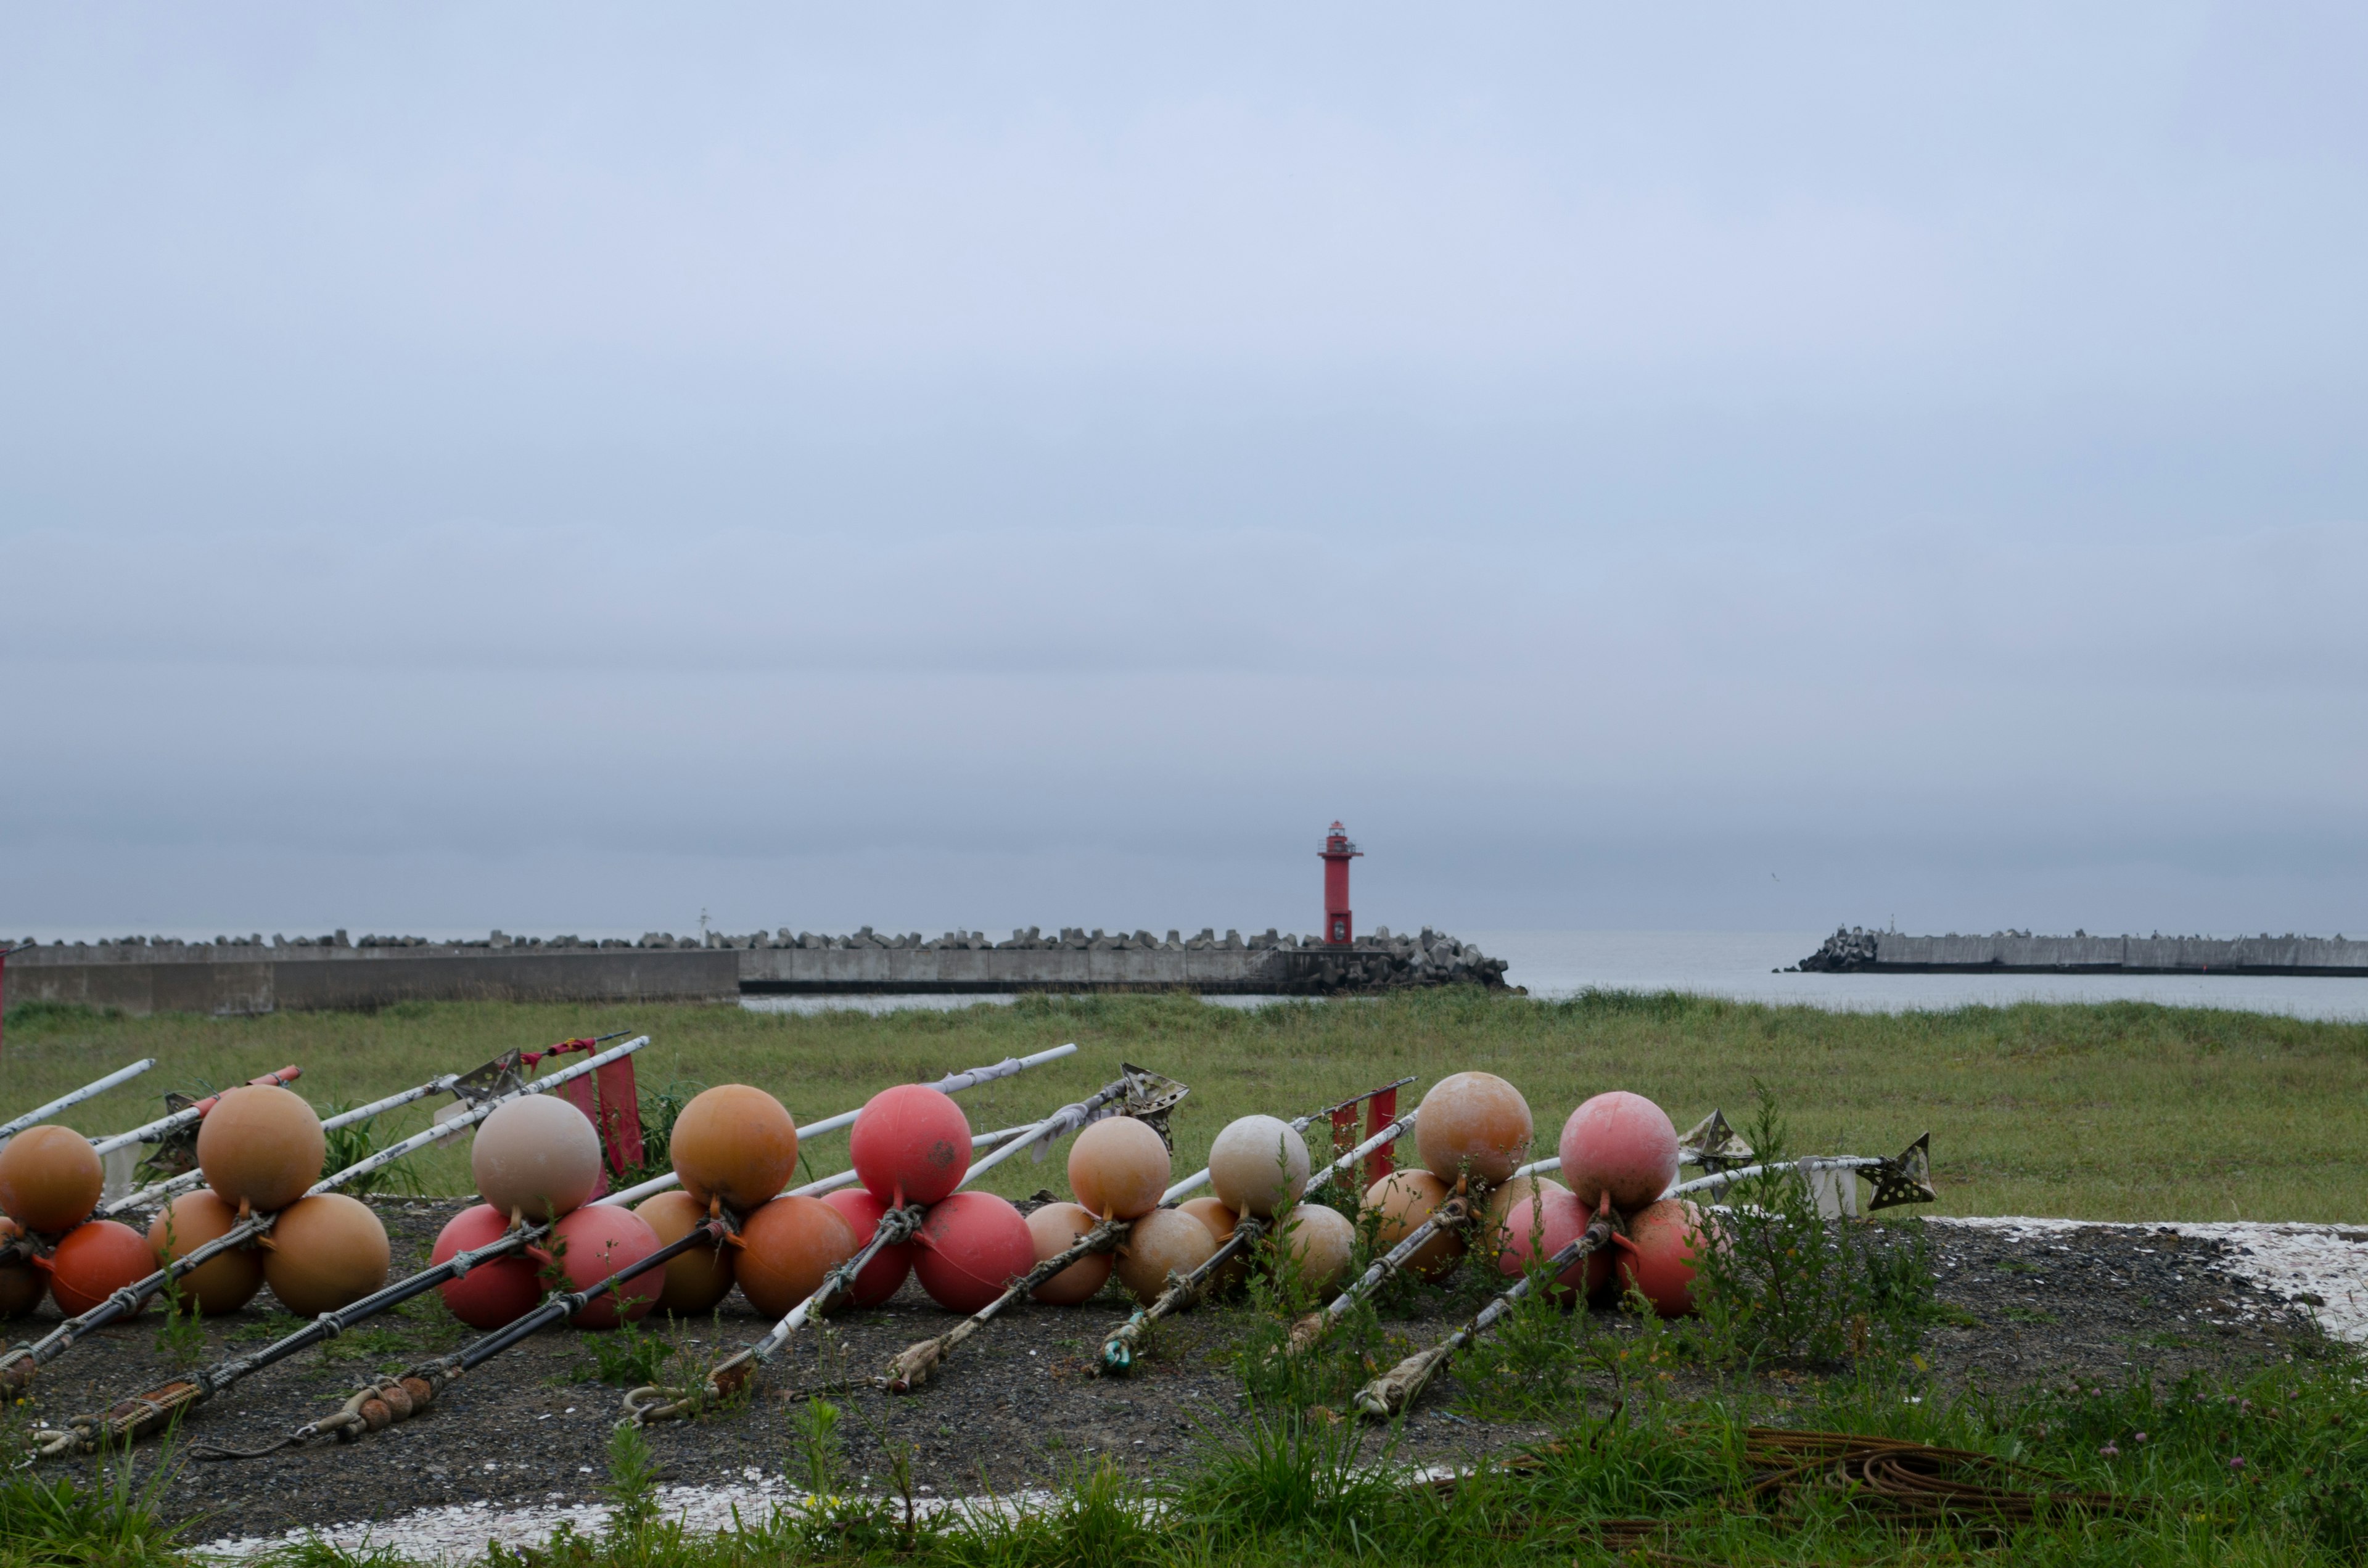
(492, 1294)
(1663, 1240)
(885, 1275)
(972, 1245)
(910, 1144)
(1541, 1226)
(593, 1242)
(1620, 1143)
(92, 1261)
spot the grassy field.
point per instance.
(2123, 1111)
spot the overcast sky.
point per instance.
(568, 469)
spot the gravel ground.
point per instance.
(1017, 1407)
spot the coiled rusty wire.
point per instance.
(1911, 1483)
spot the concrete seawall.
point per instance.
(233, 976)
(1858, 951)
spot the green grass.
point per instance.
(2118, 1111)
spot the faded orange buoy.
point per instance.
(1258, 1165)
(786, 1247)
(22, 1286)
(328, 1251)
(972, 1245)
(262, 1146)
(1518, 1190)
(1221, 1221)
(1118, 1168)
(92, 1261)
(910, 1144)
(493, 1293)
(1319, 1241)
(735, 1141)
(221, 1284)
(536, 1155)
(1404, 1199)
(50, 1178)
(1541, 1226)
(1164, 1242)
(691, 1282)
(1472, 1124)
(1663, 1241)
(1620, 1143)
(1054, 1229)
(886, 1274)
(597, 1241)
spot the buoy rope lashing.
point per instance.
(1398, 1388)
(39, 1114)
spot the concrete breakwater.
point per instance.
(235, 975)
(1855, 950)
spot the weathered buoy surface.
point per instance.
(49, 1179)
(1119, 1167)
(492, 1294)
(1664, 1239)
(786, 1247)
(1474, 1124)
(1620, 1143)
(92, 1261)
(328, 1251)
(1221, 1221)
(1521, 1189)
(1541, 1226)
(886, 1274)
(1258, 1165)
(261, 1146)
(536, 1155)
(1164, 1242)
(220, 1285)
(737, 1143)
(1054, 1229)
(1319, 1241)
(22, 1286)
(972, 1245)
(690, 1283)
(910, 1144)
(593, 1242)
(1404, 1199)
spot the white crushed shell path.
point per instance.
(2287, 1261)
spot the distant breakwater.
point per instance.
(244, 975)
(1856, 951)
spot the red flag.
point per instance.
(620, 1115)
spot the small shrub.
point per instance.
(351, 1145)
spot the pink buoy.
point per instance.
(885, 1275)
(1663, 1240)
(1542, 1225)
(1620, 1143)
(493, 1294)
(972, 1245)
(910, 1144)
(593, 1242)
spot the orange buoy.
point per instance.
(221, 1284)
(1164, 1242)
(595, 1242)
(328, 1251)
(1472, 1124)
(1055, 1228)
(1221, 1221)
(1404, 1199)
(1258, 1165)
(536, 1155)
(786, 1247)
(1518, 1190)
(22, 1286)
(493, 1294)
(1541, 1226)
(1658, 1251)
(693, 1281)
(1319, 1241)
(92, 1261)
(50, 1178)
(1119, 1168)
(886, 1274)
(1620, 1143)
(910, 1144)
(734, 1142)
(261, 1146)
(972, 1245)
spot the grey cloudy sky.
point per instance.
(564, 468)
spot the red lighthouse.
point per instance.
(1339, 927)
